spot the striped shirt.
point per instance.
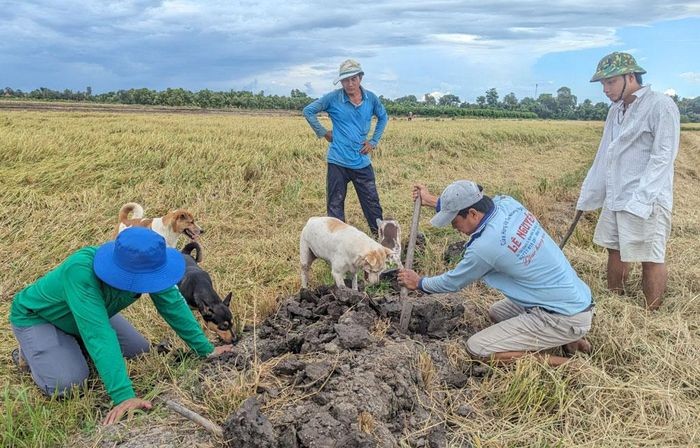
(633, 169)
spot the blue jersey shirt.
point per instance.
(351, 125)
(511, 252)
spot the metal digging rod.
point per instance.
(571, 229)
(407, 307)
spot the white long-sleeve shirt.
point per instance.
(633, 169)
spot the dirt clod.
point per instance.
(249, 427)
(339, 382)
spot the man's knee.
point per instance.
(493, 315)
(136, 348)
(62, 382)
(477, 347)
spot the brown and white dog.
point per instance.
(344, 247)
(170, 226)
(390, 237)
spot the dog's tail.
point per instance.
(193, 246)
(130, 207)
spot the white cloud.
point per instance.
(454, 38)
(691, 76)
(437, 95)
(670, 92)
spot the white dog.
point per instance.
(344, 247)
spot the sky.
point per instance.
(406, 47)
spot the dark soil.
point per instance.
(453, 253)
(347, 377)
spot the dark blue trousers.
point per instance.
(337, 188)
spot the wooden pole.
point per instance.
(571, 229)
(407, 306)
(207, 424)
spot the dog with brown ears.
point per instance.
(390, 237)
(346, 248)
(170, 226)
(197, 289)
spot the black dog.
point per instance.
(196, 287)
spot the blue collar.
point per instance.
(480, 228)
(346, 98)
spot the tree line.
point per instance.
(563, 105)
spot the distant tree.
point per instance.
(296, 93)
(449, 100)
(510, 101)
(411, 99)
(529, 104)
(492, 97)
(429, 100)
(481, 101)
(88, 91)
(547, 100)
(565, 100)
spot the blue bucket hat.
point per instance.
(138, 261)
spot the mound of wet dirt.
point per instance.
(346, 376)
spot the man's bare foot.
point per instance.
(582, 345)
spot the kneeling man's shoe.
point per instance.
(18, 360)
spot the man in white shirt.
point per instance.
(632, 176)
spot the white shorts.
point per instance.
(637, 239)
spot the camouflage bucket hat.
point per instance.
(616, 64)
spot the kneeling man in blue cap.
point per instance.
(546, 305)
(78, 303)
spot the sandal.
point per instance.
(587, 349)
(19, 361)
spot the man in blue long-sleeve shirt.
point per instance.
(350, 110)
(546, 305)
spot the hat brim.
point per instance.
(348, 75)
(109, 272)
(598, 76)
(443, 218)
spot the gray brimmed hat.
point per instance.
(347, 69)
(457, 196)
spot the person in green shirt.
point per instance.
(77, 304)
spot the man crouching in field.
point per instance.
(74, 311)
(546, 304)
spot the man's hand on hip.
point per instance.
(366, 148)
(408, 278)
(329, 136)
